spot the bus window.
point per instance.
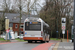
(33, 26)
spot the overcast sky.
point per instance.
(41, 2)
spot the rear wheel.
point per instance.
(35, 41)
(72, 40)
(29, 41)
(42, 41)
(47, 41)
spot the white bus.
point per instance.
(35, 29)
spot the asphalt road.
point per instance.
(26, 46)
(19, 46)
(65, 46)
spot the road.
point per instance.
(24, 46)
(66, 46)
(18, 46)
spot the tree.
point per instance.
(53, 11)
(5, 9)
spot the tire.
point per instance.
(72, 40)
(47, 41)
(42, 41)
(29, 41)
(35, 41)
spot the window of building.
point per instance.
(16, 25)
(11, 25)
(21, 26)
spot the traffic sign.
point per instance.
(63, 23)
(63, 32)
(63, 20)
(63, 27)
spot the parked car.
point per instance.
(21, 36)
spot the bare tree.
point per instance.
(54, 10)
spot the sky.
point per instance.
(41, 2)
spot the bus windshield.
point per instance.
(33, 26)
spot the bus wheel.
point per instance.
(47, 41)
(29, 41)
(35, 41)
(42, 41)
(72, 40)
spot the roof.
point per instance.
(36, 18)
(14, 17)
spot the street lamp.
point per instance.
(5, 27)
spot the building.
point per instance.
(13, 21)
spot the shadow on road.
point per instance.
(33, 42)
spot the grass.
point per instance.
(54, 39)
(3, 40)
(19, 40)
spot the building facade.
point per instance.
(14, 21)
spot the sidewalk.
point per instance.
(14, 40)
(64, 45)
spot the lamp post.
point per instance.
(6, 27)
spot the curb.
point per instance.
(56, 46)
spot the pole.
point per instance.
(74, 24)
(57, 27)
(63, 32)
(57, 24)
(20, 17)
(67, 35)
(63, 37)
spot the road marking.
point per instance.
(56, 46)
(44, 46)
(7, 43)
(51, 47)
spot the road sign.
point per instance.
(63, 23)
(63, 20)
(63, 32)
(63, 27)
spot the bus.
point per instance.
(35, 29)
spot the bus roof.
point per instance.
(36, 18)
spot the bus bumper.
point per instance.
(32, 38)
